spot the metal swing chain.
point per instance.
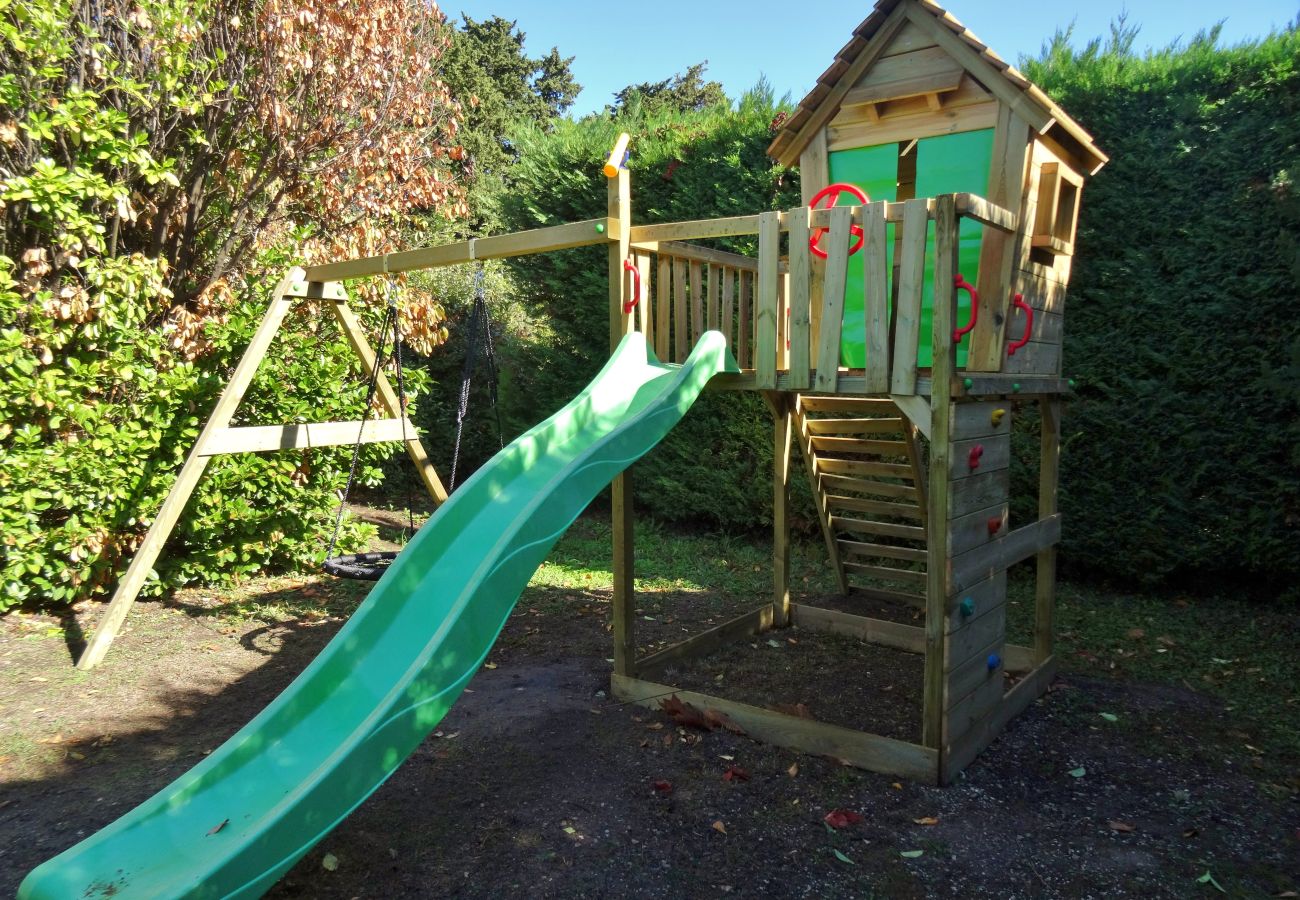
(478, 340)
(390, 323)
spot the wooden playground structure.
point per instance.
(892, 364)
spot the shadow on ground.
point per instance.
(537, 783)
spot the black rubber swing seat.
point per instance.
(361, 566)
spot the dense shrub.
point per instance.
(683, 166)
(158, 161)
(1181, 453)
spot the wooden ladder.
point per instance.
(868, 482)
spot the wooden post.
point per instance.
(767, 305)
(937, 519)
(1045, 562)
(356, 338)
(620, 323)
(781, 418)
(195, 463)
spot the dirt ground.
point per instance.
(538, 784)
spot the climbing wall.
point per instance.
(976, 620)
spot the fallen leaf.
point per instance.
(656, 726)
(728, 757)
(1123, 827)
(1135, 634)
(684, 713)
(1077, 773)
(489, 665)
(663, 787)
(735, 773)
(330, 863)
(220, 825)
(719, 827)
(719, 720)
(569, 829)
(1191, 832)
(1109, 717)
(37, 678)
(897, 785)
(793, 770)
(1207, 878)
(911, 854)
(842, 858)
(73, 754)
(842, 818)
(926, 820)
(1167, 640)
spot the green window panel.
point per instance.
(946, 164)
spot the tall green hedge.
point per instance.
(683, 166)
(1182, 451)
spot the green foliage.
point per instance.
(497, 82)
(685, 93)
(112, 354)
(684, 166)
(1180, 453)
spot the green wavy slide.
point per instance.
(235, 823)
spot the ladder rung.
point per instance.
(865, 486)
(858, 504)
(858, 445)
(861, 468)
(886, 551)
(887, 573)
(847, 404)
(854, 426)
(867, 527)
(875, 593)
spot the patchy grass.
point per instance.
(1236, 650)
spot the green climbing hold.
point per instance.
(968, 607)
(968, 383)
(600, 228)
(1073, 384)
(1015, 387)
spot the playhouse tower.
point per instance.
(897, 369)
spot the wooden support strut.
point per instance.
(620, 323)
(219, 438)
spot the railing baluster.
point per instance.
(663, 307)
(875, 272)
(800, 298)
(768, 304)
(681, 340)
(746, 325)
(832, 318)
(911, 278)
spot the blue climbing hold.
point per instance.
(995, 662)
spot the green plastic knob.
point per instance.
(968, 383)
(1073, 384)
(968, 607)
(600, 229)
(1015, 387)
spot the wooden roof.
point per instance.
(973, 54)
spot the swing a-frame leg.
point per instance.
(219, 438)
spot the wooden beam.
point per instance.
(917, 410)
(866, 751)
(986, 212)
(110, 623)
(619, 203)
(833, 290)
(1049, 462)
(800, 298)
(941, 464)
(522, 243)
(875, 279)
(918, 86)
(873, 631)
(911, 279)
(782, 432)
(731, 226)
(980, 68)
(769, 241)
(976, 565)
(753, 622)
(263, 438)
(830, 105)
(392, 404)
(679, 250)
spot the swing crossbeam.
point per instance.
(219, 438)
(265, 438)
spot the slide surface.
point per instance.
(235, 823)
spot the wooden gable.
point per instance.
(912, 70)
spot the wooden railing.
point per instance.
(783, 315)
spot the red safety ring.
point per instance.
(832, 192)
(1019, 301)
(962, 284)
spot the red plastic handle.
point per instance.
(964, 285)
(629, 266)
(1019, 301)
(832, 193)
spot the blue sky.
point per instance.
(625, 43)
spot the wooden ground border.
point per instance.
(862, 749)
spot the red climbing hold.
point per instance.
(974, 458)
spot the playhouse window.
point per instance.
(1058, 212)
